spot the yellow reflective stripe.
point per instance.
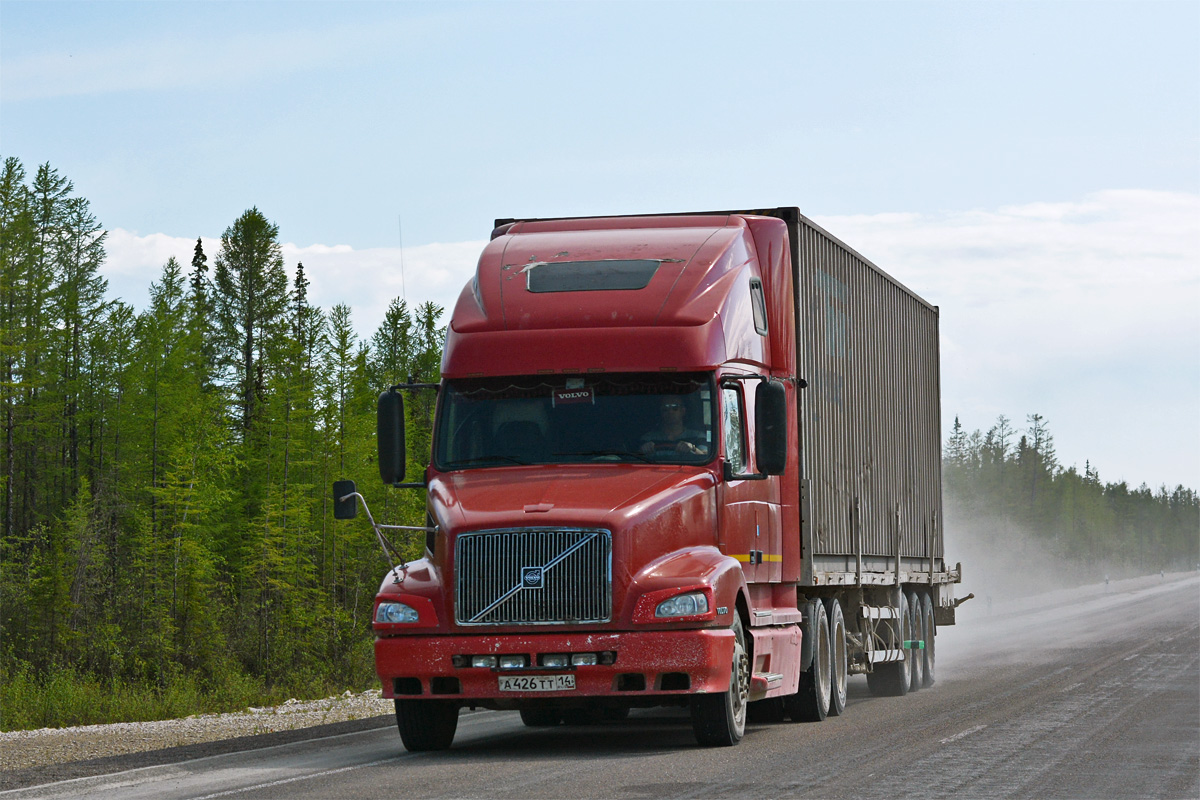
(745, 557)
(769, 557)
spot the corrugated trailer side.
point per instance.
(870, 419)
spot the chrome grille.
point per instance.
(539, 576)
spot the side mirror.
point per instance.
(770, 428)
(345, 504)
(389, 435)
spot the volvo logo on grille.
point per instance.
(532, 577)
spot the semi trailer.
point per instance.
(677, 460)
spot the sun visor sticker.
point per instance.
(571, 396)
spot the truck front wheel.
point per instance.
(426, 724)
(719, 720)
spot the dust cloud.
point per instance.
(1003, 562)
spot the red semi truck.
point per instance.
(678, 460)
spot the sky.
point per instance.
(1032, 168)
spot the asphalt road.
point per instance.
(1091, 693)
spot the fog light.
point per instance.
(483, 661)
(608, 657)
(584, 660)
(513, 662)
(555, 660)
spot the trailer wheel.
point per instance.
(719, 720)
(915, 655)
(426, 724)
(839, 660)
(540, 717)
(892, 679)
(811, 703)
(930, 632)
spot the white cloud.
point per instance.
(366, 280)
(1085, 312)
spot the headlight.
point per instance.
(683, 605)
(395, 612)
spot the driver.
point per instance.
(672, 434)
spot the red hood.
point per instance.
(590, 495)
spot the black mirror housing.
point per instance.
(389, 435)
(770, 428)
(345, 504)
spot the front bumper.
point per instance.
(678, 662)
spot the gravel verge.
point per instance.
(50, 754)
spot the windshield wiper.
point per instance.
(459, 462)
(628, 453)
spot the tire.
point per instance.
(719, 720)
(839, 657)
(811, 703)
(893, 678)
(541, 717)
(426, 724)
(915, 654)
(930, 635)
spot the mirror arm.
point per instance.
(729, 475)
(389, 549)
(410, 386)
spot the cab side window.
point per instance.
(734, 428)
(758, 305)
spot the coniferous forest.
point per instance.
(168, 536)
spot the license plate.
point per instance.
(537, 683)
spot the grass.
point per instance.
(65, 697)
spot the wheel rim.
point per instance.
(839, 662)
(823, 666)
(740, 684)
(930, 652)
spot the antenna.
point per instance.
(400, 228)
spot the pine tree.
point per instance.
(250, 300)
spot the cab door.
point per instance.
(750, 514)
(741, 514)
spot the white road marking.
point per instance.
(283, 781)
(961, 734)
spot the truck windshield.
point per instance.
(656, 418)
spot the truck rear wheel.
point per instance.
(719, 720)
(916, 654)
(892, 679)
(930, 631)
(839, 659)
(811, 703)
(426, 724)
